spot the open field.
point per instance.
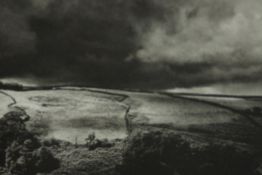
(72, 113)
(240, 103)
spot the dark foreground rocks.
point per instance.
(163, 152)
(146, 151)
(21, 152)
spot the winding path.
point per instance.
(12, 106)
(9, 96)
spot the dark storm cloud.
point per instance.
(131, 43)
(15, 35)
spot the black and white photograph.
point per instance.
(130, 87)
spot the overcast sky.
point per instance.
(149, 44)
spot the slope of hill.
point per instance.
(72, 113)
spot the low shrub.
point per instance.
(21, 152)
(166, 153)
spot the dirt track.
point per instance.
(12, 106)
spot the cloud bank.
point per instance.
(132, 43)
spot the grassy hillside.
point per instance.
(71, 114)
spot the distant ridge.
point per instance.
(20, 87)
(11, 86)
(216, 95)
